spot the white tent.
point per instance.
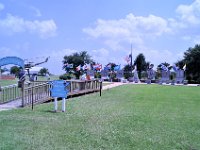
(34, 70)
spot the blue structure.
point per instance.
(59, 88)
(12, 60)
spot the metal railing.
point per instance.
(35, 93)
(9, 93)
(81, 87)
(39, 92)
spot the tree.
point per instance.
(43, 71)
(15, 70)
(140, 63)
(167, 65)
(77, 59)
(192, 61)
(127, 71)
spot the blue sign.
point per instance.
(12, 60)
(59, 88)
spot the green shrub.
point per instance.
(65, 77)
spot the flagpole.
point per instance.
(131, 57)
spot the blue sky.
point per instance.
(36, 29)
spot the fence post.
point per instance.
(63, 104)
(32, 97)
(100, 87)
(55, 104)
(23, 95)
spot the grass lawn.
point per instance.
(15, 81)
(8, 82)
(127, 117)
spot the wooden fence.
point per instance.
(35, 93)
(39, 92)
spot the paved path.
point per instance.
(11, 105)
(114, 84)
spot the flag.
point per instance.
(184, 67)
(127, 59)
(88, 66)
(67, 66)
(107, 67)
(97, 66)
(78, 68)
(163, 67)
(85, 67)
(116, 68)
(135, 68)
(151, 66)
(70, 65)
(175, 68)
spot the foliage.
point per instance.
(66, 76)
(3, 69)
(97, 75)
(112, 66)
(127, 117)
(77, 59)
(43, 71)
(165, 64)
(127, 72)
(15, 70)
(8, 82)
(192, 61)
(141, 64)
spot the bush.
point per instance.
(65, 77)
(128, 74)
(97, 75)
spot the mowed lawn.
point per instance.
(127, 117)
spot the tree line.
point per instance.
(191, 59)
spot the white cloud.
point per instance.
(196, 40)
(100, 55)
(143, 32)
(14, 24)
(190, 13)
(131, 28)
(1, 6)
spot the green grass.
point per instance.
(7, 82)
(127, 117)
(15, 81)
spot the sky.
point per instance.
(106, 29)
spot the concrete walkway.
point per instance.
(114, 84)
(11, 105)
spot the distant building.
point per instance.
(34, 70)
(6, 73)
